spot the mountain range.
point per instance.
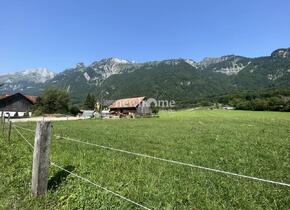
(182, 80)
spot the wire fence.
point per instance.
(21, 135)
(78, 176)
(99, 186)
(18, 128)
(170, 161)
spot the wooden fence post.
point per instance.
(3, 129)
(9, 131)
(41, 158)
(2, 114)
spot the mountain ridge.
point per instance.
(185, 78)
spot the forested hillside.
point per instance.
(182, 80)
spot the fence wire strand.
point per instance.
(99, 186)
(21, 135)
(82, 178)
(26, 129)
(175, 162)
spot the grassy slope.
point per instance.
(250, 143)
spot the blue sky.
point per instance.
(60, 33)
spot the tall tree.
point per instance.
(90, 102)
(51, 101)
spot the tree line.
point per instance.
(53, 100)
(261, 100)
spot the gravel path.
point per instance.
(35, 119)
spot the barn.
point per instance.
(16, 105)
(130, 106)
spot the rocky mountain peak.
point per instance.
(191, 62)
(109, 66)
(214, 60)
(281, 53)
(37, 75)
(26, 79)
(229, 64)
(243, 72)
(80, 65)
(112, 61)
(118, 60)
(102, 69)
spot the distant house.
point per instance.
(130, 106)
(16, 105)
(86, 114)
(105, 114)
(228, 107)
(106, 103)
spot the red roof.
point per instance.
(32, 98)
(127, 103)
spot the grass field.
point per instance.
(250, 143)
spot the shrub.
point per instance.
(37, 112)
(52, 101)
(74, 110)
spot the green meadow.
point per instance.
(249, 143)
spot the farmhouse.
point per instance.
(130, 106)
(105, 104)
(16, 105)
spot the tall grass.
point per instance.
(249, 143)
